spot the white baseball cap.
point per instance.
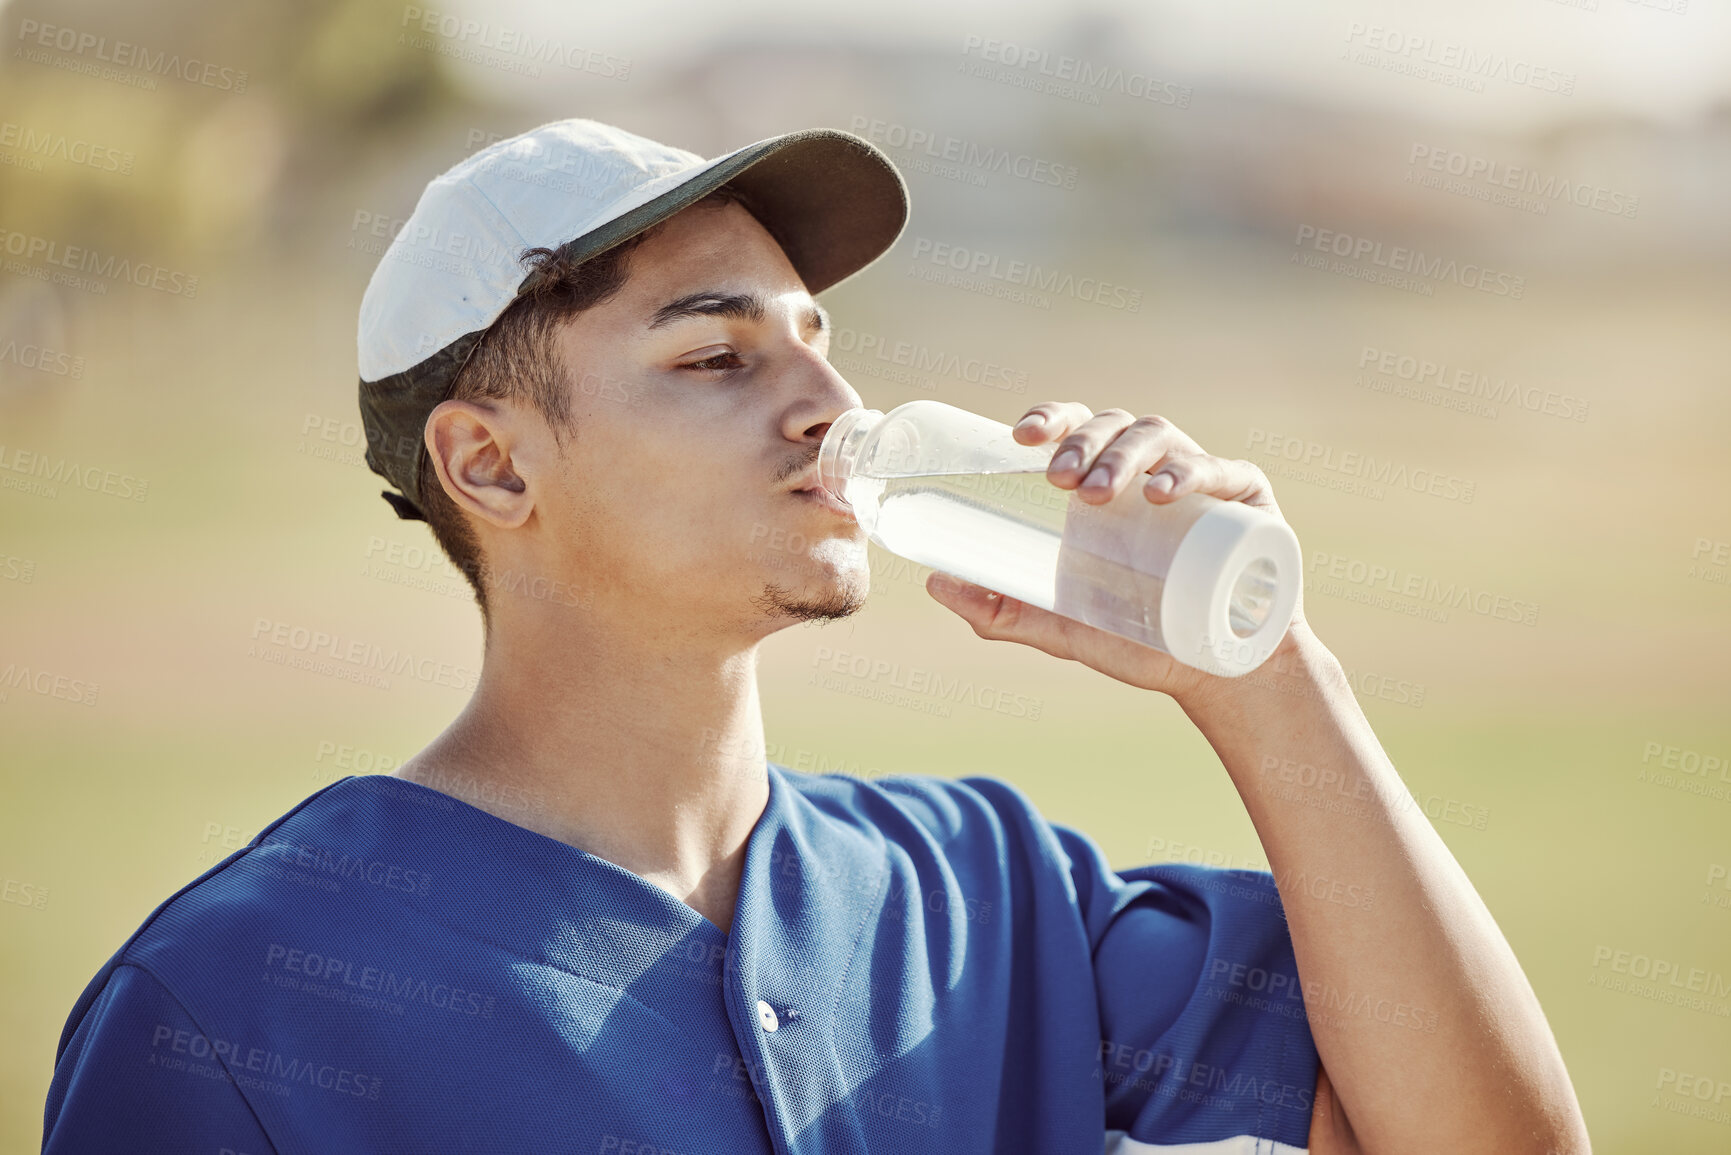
(832, 201)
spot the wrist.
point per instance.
(1300, 665)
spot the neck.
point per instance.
(646, 751)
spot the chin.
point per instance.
(816, 600)
(781, 604)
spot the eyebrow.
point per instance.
(741, 306)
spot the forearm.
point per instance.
(1430, 1033)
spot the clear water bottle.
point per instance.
(1212, 583)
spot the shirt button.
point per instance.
(766, 1016)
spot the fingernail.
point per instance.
(1031, 421)
(1100, 476)
(1069, 459)
(1160, 483)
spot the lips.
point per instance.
(818, 495)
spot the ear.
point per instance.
(470, 446)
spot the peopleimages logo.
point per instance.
(1445, 62)
(528, 47)
(1422, 371)
(1491, 180)
(43, 474)
(982, 269)
(1070, 77)
(46, 683)
(899, 681)
(1690, 1095)
(380, 980)
(46, 145)
(41, 359)
(929, 144)
(257, 1068)
(1694, 980)
(1418, 588)
(1355, 472)
(1399, 259)
(858, 351)
(354, 659)
(29, 247)
(120, 52)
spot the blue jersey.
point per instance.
(915, 964)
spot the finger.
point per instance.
(1132, 452)
(1077, 451)
(1050, 420)
(999, 618)
(995, 617)
(1227, 479)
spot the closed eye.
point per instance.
(717, 363)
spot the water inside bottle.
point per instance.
(1007, 532)
(1000, 530)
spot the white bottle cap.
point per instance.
(1232, 553)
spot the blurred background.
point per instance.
(193, 196)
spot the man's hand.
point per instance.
(1100, 456)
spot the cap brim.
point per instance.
(833, 201)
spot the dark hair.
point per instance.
(517, 358)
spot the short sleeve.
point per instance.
(138, 1075)
(1204, 1038)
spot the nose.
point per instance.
(823, 395)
